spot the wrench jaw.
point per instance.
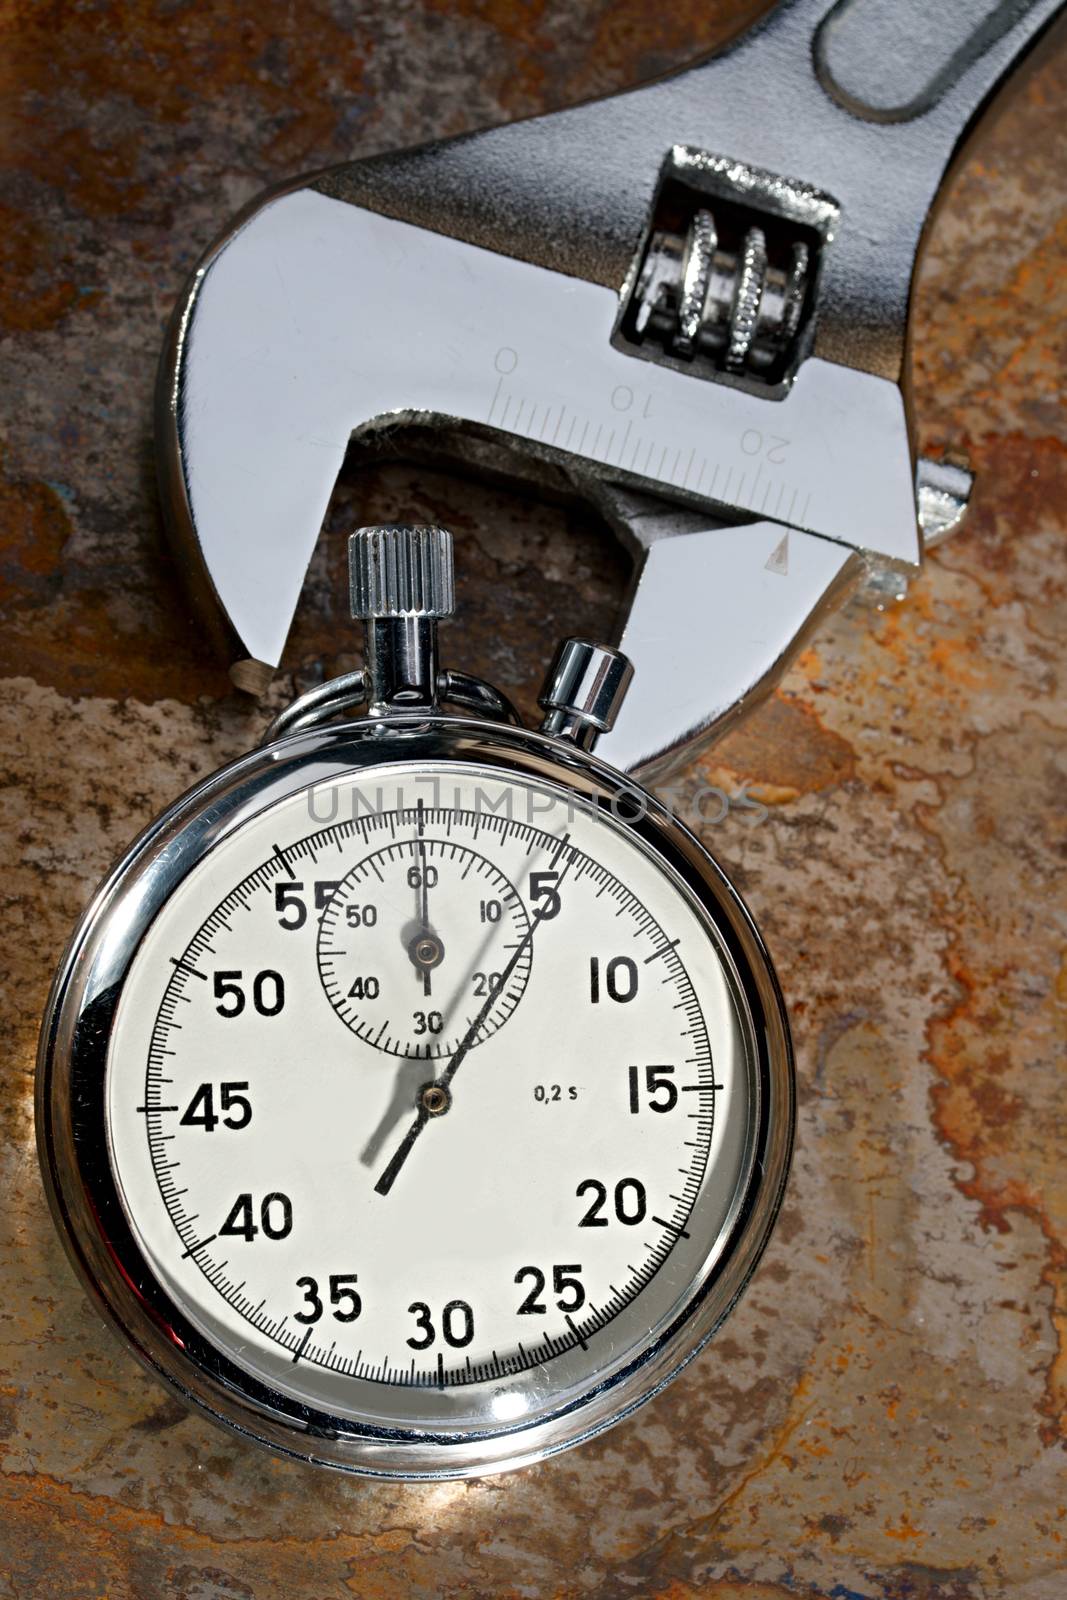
(318, 321)
(716, 613)
(479, 284)
(176, 449)
(766, 593)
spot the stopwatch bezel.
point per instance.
(72, 1060)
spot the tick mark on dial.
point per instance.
(672, 1227)
(194, 1248)
(671, 944)
(570, 1323)
(281, 857)
(183, 966)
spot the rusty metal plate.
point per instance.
(884, 1414)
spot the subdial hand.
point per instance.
(424, 946)
(436, 1098)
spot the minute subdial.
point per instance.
(375, 961)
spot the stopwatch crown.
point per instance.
(396, 571)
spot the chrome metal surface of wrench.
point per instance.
(693, 297)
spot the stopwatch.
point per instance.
(416, 1095)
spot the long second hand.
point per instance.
(422, 1116)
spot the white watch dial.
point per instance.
(435, 1113)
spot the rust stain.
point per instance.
(1033, 355)
(548, 58)
(158, 58)
(523, 44)
(657, 40)
(972, 1113)
(1061, 982)
(80, 624)
(33, 296)
(104, 1548)
(904, 1529)
(785, 752)
(38, 528)
(1021, 482)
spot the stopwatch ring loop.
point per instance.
(352, 690)
(308, 710)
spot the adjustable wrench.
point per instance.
(691, 298)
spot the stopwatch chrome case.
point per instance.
(438, 1222)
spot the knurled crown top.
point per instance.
(400, 572)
